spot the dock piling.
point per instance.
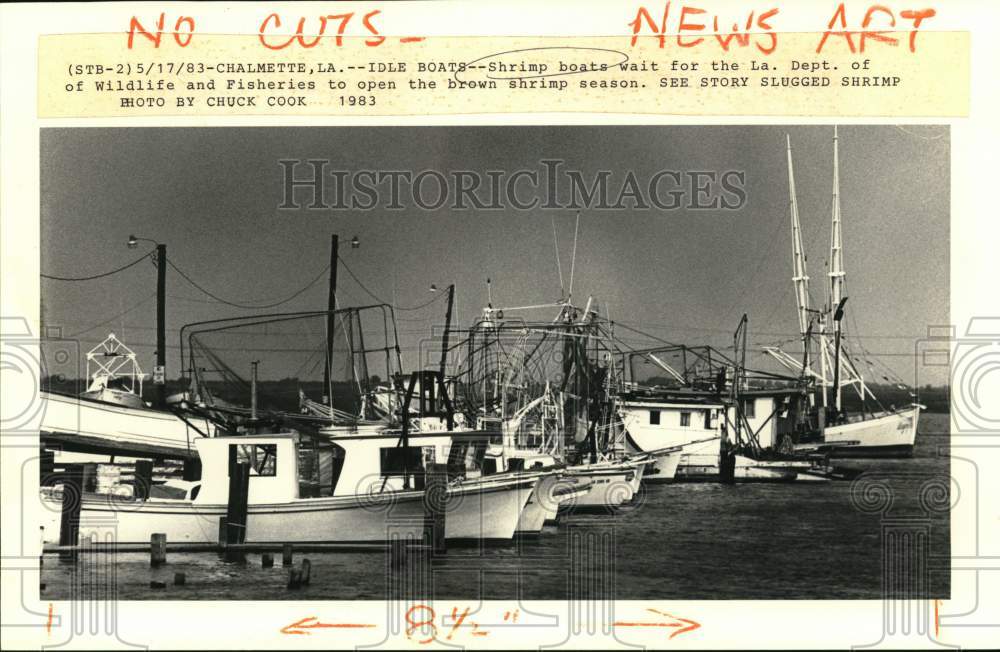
(397, 553)
(306, 571)
(72, 499)
(267, 560)
(192, 469)
(286, 554)
(157, 549)
(143, 478)
(236, 511)
(435, 507)
(179, 579)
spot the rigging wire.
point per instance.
(111, 319)
(572, 267)
(243, 305)
(555, 241)
(380, 300)
(910, 133)
(97, 276)
(644, 334)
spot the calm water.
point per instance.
(681, 541)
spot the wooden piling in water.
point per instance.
(236, 510)
(179, 579)
(69, 524)
(306, 571)
(397, 553)
(157, 549)
(435, 507)
(192, 469)
(267, 560)
(47, 465)
(143, 478)
(286, 554)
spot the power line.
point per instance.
(376, 297)
(244, 305)
(96, 276)
(108, 321)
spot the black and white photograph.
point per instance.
(531, 362)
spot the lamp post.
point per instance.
(160, 370)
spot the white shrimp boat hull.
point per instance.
(552, 490)
(484, 509)
(699, 457)
(478, 511)
(612, 484)
(98, 424)
(663, 469)
(887, 435)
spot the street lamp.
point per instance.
(160, 370)
(133, 241)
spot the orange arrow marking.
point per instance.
(683, 625)
(303, 626)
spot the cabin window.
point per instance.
(654, 417)
(466, 458)
(262, 458)
(685, 419)
(398, 460)
(750, 409)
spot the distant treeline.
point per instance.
(278, 395)
(283, 395)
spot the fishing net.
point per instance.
(330, 361)
(536, 378)
(677, 365)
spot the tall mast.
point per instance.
(836, 273)
(800, 278)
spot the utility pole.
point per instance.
(447, 328)
(253, 389)
(160, 373)
(331, 307)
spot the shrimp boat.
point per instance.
(655, 422)
(111, 414)
(872, 433)
(715, 411)
(438, 432)
(540, 489)
(552, 410)
(277, 513)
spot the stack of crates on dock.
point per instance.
(108, 477)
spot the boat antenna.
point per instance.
(555, 242)
(489, 293)
(572, 267)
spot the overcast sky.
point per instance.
(212, 196)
